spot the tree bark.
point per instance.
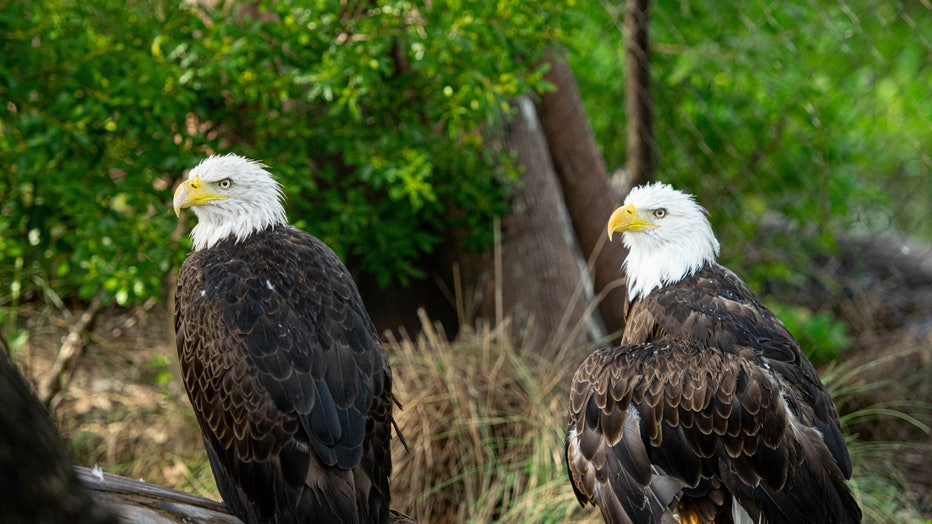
(584, 181)
(638, 104)
(543, 277)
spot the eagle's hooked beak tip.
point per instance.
(179, 199)
(620, 220)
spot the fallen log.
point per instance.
(142, 502)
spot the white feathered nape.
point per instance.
(678, 242)
(253, 203)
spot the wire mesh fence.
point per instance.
(806, 129)
(819, 110)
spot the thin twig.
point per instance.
(71, 348)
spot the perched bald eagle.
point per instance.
(284, 369)
(709, 411)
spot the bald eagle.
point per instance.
(291, 387)
(708, 411)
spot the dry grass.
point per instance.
(484, 424)
(886, 414)
(124, 407)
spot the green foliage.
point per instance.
(792, 123)
(160, 367)
(86, 145)
(372, 116)
(821, 335)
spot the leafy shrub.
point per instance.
(813, 112)
(820, 334)
(88, 148)
(372, 116)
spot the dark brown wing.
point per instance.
(38, 482)
(714, 308)
(290, 385)
(651, 422)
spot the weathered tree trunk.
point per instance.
(543, 280)
(584, 181)
(638, 104)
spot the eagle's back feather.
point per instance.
(289, 382)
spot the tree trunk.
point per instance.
(588, 197)
(638, 104)
(543, 277)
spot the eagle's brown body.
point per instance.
(708, 399)
(290, 384)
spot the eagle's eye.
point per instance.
(225, 183)
(660, 212)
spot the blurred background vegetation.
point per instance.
(817, 111)
(803, 126)
(373, 118)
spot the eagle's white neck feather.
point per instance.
(254, 203)
(679, 244)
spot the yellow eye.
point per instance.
(660, 213)
(225, 183)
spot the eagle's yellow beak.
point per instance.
(191, 192)
(627, 218)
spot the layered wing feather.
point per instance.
(797, 446)
(290, 385)
(650, 422)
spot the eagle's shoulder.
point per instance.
(715, 308)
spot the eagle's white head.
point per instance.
(668, 236)
(232, 196)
